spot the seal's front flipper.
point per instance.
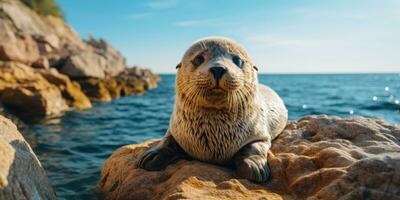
(251, 161)
(160, 156)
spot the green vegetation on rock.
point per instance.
(45, 7)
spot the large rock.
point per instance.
(131, 81)
(116, 63)
(84, 65)
(17, 46)
(135, 74)
(25, 90)
(316, 157)
(70, 90)
(95, 89)
(99, 61)
(21, 174)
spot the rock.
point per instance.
(84, 65)
(34, 101)
(316, 157)
(17, 46)
(26, 91)
(116, 63)
(95, 89)
(41, 63)
(44, 42)
(134, 75)
(71, 91)
(131, 81)
(47, 29)
(50, 39)
(26, 35)
(21, 174)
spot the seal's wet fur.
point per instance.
(222, 114)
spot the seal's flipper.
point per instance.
(160, 156)
(251, 161)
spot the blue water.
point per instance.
(73, 147)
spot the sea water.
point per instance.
(73, 147)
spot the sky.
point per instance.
(282, 36)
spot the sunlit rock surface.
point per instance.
(50, 58)
(21, 174)
(316, 157)
(27, 91)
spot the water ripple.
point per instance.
(73, 147)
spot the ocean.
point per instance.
(73, 147)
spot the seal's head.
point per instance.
(217, 73)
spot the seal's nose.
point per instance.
(217, 72)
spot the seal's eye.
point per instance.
(198, 60)
(237, 60)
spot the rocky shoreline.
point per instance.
(47, 69)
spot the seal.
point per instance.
(222, 115)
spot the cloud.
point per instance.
(203, 22)
(275, 41)
(139, 15)
(162, 4)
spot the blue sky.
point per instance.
(282, 36)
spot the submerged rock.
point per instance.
(316, 157)
(21, 174)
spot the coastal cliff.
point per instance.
(316, 157)
(47, 69)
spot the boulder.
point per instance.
(132, 76)
(100, 60)
(51, 39)
(316, 157)
(17, 46)
(131, 81)
(25, 90)
(95, 89)
(41, 63)
(70, 90)
(84, 65)
(21, 174)
(116, 63)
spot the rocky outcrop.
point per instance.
(21, 174)
(38, 92)
(70, 90)
(99, 60)
(84, 65)
(39, 47)
(129, 82)
(316, 157)
(25, 90)
(31, 38)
